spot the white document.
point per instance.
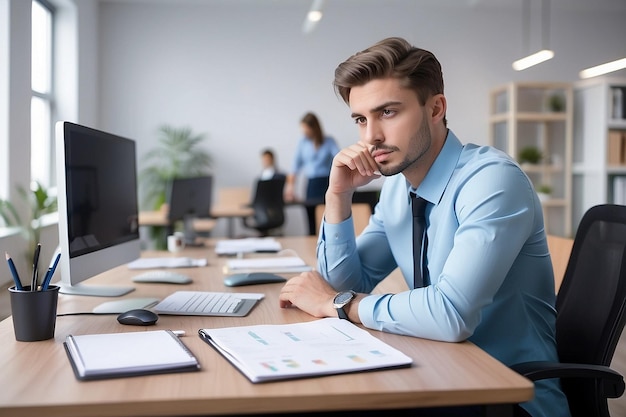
(247, 245)
(274, 264)
(179, 262)
(286, 351)
(97, 356)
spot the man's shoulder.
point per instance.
(484, 155)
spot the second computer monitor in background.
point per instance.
(188, 199)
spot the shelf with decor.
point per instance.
(599, 151)
(532, 122)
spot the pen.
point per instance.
(48, 277)
(179, 333)
(16, 277)
(33, 286)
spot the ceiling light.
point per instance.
(545, 53)
(313, 16)
(603, 69)
(534, 59)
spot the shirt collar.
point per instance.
(439, 174)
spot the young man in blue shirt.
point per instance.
(488, 275)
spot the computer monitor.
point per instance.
(188, 199)
(98, 208)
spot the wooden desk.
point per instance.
(560, 250)
(159, 218)
(230, 212)
(37, 379)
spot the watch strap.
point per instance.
(342, 313)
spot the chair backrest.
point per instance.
(591, 300)
(269, 204)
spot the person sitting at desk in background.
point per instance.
(270, 168)
(487, 277)
(314, 157)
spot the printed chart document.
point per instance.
(288, 351)
(113, 355)
(274, 264)
(247, 245)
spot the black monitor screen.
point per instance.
(190, 197)
(101, 189)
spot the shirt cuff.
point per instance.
(339, 233)
(367, 307)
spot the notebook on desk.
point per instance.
(205, 303)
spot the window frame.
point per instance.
(48, 177)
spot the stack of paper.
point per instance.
(179, 262)
(247, 245)
(284, 351)
(276, 265)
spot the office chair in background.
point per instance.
(590, 315)
(269, 206)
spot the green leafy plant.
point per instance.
(178, 155)
(556, 102)
(40, 202)
(530, 154)
(544, 189)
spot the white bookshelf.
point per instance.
(521, 116)
(599, 171)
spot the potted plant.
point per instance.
(40, 202)
(179, 154)
(556, 102)
(530, 155)
(544, 191)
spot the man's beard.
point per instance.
(421, 142)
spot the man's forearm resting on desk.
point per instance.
(312, 294)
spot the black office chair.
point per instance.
(269, 206)
(590, 315)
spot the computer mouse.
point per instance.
(252, 278)
(138, 317)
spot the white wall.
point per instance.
(245, 76)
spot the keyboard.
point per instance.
(204, 303)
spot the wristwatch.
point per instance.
(341, 300)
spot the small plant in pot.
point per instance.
(543, 192)
(40, 202)
(530, 155)
(556, 103)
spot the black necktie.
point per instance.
(420, 241)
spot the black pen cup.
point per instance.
(34, 313)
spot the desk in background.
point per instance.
(232, 203)
(37, 378)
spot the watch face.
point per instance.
(343, 297)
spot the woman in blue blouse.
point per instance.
(313, 159)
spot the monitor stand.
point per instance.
(190, 234)
(94, 290)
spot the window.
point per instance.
(42, 99)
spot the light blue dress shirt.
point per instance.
(490, 270)
(314, 163)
